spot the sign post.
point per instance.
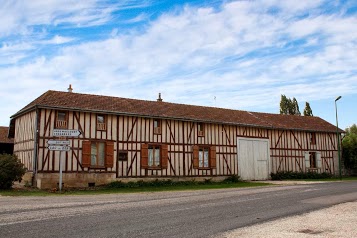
(61, 145)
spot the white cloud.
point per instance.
(241, 53)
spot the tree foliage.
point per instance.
(289, 106)
(11, 170)
(349, 147)
(307, 110)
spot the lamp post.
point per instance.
(338, 139)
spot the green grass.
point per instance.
(106, 190)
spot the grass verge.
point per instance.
(118, 187)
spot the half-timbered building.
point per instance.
(128, 139)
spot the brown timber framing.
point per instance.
(128, 132)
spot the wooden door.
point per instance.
(253, 159)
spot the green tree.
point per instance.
(284, 105)
(307, 110)
(295, 107)
(288, 106)
(349, 148)
(11, 170)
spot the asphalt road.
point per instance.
(206, 213)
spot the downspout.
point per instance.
(35, 150)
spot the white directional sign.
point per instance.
(59, 147)
(58, 142)
(64, 132)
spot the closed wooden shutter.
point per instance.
(212, 157)
(307, 160)
(144, 156)
(86, 149)
(109, 154)
(318, 160)
(195, 149)
(164, 156)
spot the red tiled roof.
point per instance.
(3, 135)
(107, 104)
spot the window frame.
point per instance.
(212, 157)
(163, 156)
(200, 129)
(104, 153)
(108, 154)
(204, 149)
(122, 152)
(154, 148)
(101, 126)
(313, 160)
(157, 128)
(64, 122)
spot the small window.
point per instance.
(123, 156)
(101, 123)
(200, 129)
(157, 126)
(313, 138)
(61, 120)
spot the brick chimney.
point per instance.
(159, 99)
(70, 89)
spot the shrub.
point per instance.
(232, 179)
(11, 170)
(298, 175)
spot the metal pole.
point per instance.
(60, 175)
(338, 140)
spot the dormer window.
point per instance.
(101, 123)
(61, 120)
(157, 126)
(201, 131)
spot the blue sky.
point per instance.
(231, 54)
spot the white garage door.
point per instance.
(253, 159)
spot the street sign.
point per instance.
(65, 132)
(58, 142)
(59, 147)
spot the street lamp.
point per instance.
(338, 139)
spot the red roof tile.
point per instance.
(3, 135)
(116, 105)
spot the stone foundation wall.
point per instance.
(82, 180)
(73, 180)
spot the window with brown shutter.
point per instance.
(61, 120)
(204, 157)
(154, 156)
(98, 154)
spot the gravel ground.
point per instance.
(337, 221)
